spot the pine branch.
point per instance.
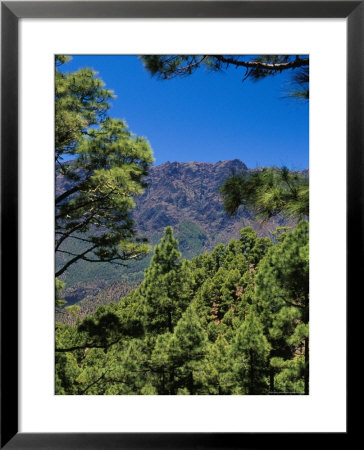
(73, 260)
(298, 62)
(75, 228)
(67, 194)
(88, 203)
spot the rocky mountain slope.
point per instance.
(188, 193)
(183, 195)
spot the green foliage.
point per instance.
(216, 375)
(177, 357)
(269, 192)
(250, 349)
(252, 247)
(299, 89)
(284, 273)
(232, 322)
(102, 165)
(282, 290)
(59, 286)
(290, 377)
(73, 310)
(165, 291)
(67, 372)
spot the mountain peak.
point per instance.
(188, 191)
(236, 163)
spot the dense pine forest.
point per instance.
(226, 318)
(233, 321)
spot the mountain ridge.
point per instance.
(189, 191)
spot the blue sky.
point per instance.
(207, 116)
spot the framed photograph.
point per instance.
(186, 139)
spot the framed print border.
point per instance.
(11, 12)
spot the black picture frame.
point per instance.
(11, 12)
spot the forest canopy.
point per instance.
(233, 321)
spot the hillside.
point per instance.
(185, 196)
(182, 195)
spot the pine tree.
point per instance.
(250, 350)
(102, 165)
(282, 291)
(166, 289)
(208, 300)
(67, 372)
(253, 247)
(268, 193)
(128, 368)
(218, 257)
(177, 357)
(201, 268)
(216, 375)
(103, 351)
(230, 292)
(289, 376)
(163, 371)
(238, 326)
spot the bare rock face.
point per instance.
(188, 192)
(184, 191)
